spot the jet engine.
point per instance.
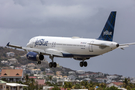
(34, 56)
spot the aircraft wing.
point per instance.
(122, 46)
(26, 48)
(48, 51)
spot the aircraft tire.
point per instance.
(39, 62)
(50, 64)
(54, 64)
(85, 64)
(81, 64)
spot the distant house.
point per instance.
(71, 73)
(116, 84)
(80, 71)
(40, 81)
(47, 70)
(2, 85)
(18, 67)
(101, 80)
(12, 75)
(94, 75)
(58, 73)
(5, 62)
(24, 56)
(34, 77)
(10, 54)
(86, 75)
(112, 76)
(12, 61)
(6, 68)
(100, 74)
(23, 67)
(31, 65)
(49, 74)
(35, 71)
(71, 77)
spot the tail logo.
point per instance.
(107, 33)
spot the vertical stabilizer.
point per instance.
(108, 31)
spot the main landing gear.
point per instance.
(52, 64)
(83, 63)
(39, 62)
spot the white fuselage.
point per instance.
(72, 47)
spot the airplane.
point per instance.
(72, 47)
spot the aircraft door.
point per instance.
(91, 46)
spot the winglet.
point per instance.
(8, 43)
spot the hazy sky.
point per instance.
(21, 20)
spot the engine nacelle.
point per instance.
(34, 56)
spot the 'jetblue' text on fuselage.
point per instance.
(41, 42)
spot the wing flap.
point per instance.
(54, 52)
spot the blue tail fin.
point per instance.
(107, 33)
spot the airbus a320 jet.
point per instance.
(77, 48)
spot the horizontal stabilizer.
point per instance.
(122, 46)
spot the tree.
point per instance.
(77, 86)
(67, 85)
(111, 88)
(56, 88)
(50, 78)
(126, 82)
(27, 78)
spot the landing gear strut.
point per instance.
(52, 64)
(83, 64)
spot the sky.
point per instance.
(21, 20)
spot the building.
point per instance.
(18, 68)
(80, 71)
(35, 71)
(31, 65)
(5, 62)
(15, 86)
(40, 81)
(23, 67)
(115, 84)
(112, 76)
(58, 73)
(2, 85)
(101, 80)
(12, 75)
(10, 54)
(12, 61)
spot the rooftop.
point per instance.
(40, 81)
(11, 72)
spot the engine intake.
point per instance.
(34, 56)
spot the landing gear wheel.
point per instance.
(39, 62)
(50, 64)
(85, 64)
(54, 65)
(81, 64)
